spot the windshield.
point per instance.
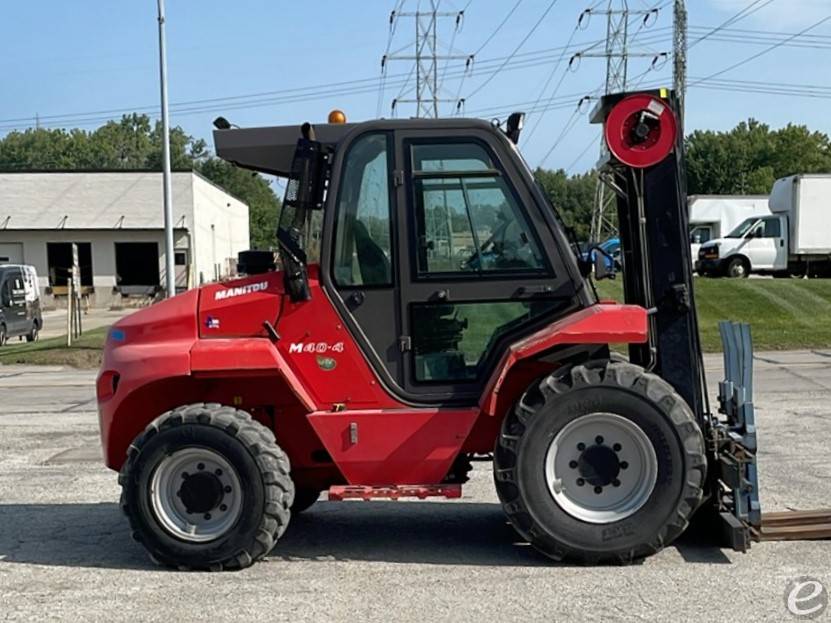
(744, 227)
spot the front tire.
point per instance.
(600, 463)
(206, 487)
(737, 268)
(3, 335)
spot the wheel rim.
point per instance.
(737, 269)
(601, 468)
(195, 494)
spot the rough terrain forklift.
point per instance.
(431, 309)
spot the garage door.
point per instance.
(11, 252)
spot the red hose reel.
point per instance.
(641, 130)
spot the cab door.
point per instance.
(359, 254)
(765, 244)
(479, 266)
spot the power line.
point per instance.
(516, 49)
(745, 12)
(763, 52)
(499, 27)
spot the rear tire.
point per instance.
(34, 333)
(206, 487)
(570, 497)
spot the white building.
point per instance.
(117, 220)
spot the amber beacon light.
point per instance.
(337, 116)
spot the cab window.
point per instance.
(362, 233)
(467, 218)
(771, 228)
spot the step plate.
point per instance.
(394, 492)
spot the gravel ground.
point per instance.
(66, 554)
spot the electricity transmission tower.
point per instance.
(617, 55)
(426, 56)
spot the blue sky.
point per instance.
(94, 56)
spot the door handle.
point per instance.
(441, 295)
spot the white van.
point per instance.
(20, 314)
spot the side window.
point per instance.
(772, 228)
(451, 341)
(362, 233)
(467, 219)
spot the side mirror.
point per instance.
(602, 269)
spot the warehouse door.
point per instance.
(137, 267)
(11, 253)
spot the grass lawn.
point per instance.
(85, 352)
(783, 313)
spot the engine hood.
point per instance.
(240, 307)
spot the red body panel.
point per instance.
(312, 384)
(598, 324)
(403, 446)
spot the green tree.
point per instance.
(263, 204)
(134, 142)
(749, 158)
(572, 196)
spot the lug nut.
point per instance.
(616, 447)
(624, 465)
(200, 467)
(580, 482)
(615, 483)
(599, 440)
(207, 515)
(572, 464)
(227, 488)
(218, 472)
(223, 507)
(598, 490)
(581, 446)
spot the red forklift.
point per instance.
(430, 309)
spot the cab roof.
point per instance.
(271, 149)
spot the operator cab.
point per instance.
(432, 238)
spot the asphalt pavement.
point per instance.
(66, 552)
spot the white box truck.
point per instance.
(714, 216)
(794, 240)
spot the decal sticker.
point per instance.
(326, 363)
(251, 288)
(315, 347)
(212, 323)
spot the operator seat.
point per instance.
(372, 261)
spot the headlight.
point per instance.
(708, 253)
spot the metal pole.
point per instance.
(170, 266)
(69, 317)
(680, 55)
